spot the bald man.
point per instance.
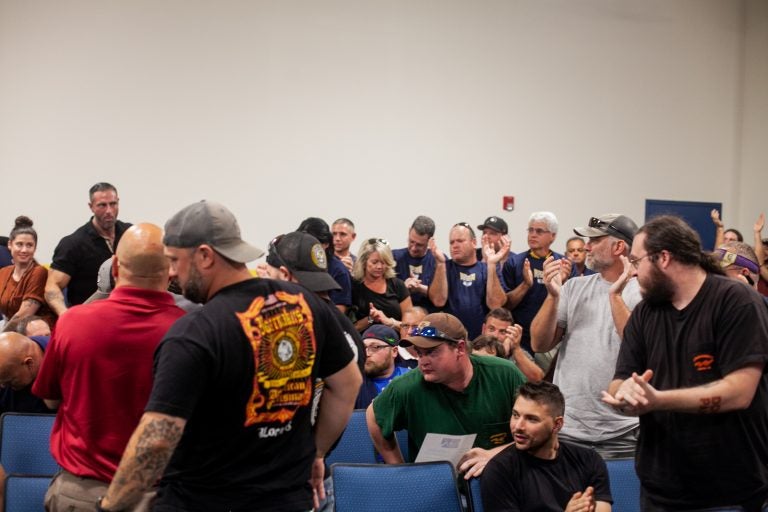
(98, 370)
(20, 359)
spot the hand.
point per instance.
(635, 395)
(436, 252)
(715, 214)
(491, 255)
(378, 316)
(582, 501)
(473, 462)
(512, 336)
(413, 284)
(759, 223)
(566, 266)
(316, 480)
(629, 271)
(553, 276)
(347, 261)
(527, 273)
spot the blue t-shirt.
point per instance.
(422, 268)
(340, 273)
(512, 276)
(371, 388)
(466, 294)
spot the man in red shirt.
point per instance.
(98, 370)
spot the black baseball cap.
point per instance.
(494, 223)
(302, 254)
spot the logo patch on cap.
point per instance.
(318, 256)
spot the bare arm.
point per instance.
(515, 296)
(57, 281)
(438, 288)
(733, 392)
(619, 309)
(494, 293)
(28, 308)
(334, 411)
(544, 331)
(759, 249)
(388, 448)
(144, 460)
(719, 228)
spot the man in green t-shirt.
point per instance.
(452, 392)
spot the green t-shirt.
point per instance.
(483, 408)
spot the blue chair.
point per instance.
(474, 496)
(625, 485)
(25, 444)
(355, 444)
(25, 493)
(413, 487)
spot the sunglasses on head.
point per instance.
(432, 333)
(374, 241)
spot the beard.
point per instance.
(657, 290)
(375, 370)
(195, 289)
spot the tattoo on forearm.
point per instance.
(710, 405)
(32, 302)
(152, 452)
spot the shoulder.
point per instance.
(397, 254)
(495, 367)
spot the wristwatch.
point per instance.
(370, 320)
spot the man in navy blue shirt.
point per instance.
(415, 264)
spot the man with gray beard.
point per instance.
(587, 317)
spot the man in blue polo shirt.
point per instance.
(415, 264)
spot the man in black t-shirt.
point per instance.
(230, 408)
(539, 472)
(692, 367)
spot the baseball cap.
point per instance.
(434, 329)
(105, 281)
(495, 223)
(381, 333)
(613, 224)
(208, 222)
(302, 254)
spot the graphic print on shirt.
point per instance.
(280, 330)
(416, 270)
(467, 279)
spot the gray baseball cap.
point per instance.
(208, 222)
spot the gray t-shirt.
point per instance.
(587, 358)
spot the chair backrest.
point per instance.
(25, 443)
(625, 485)
(474, 495)
(355, 444)
(25, 493)
(404, 487)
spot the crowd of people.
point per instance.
(181, 381)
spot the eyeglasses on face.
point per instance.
(636, 261)
(538, 231)
(432, 333)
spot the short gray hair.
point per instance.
(546, 217)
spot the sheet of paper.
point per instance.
(445, 447)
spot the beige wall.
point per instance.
(381, 111)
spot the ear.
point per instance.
(115, 268)
(285, 273)
(461, 347)
(664, 258)
(558, 424)
(205, 255)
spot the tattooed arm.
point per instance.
(28, 308)
(144, 460)
(735, 391)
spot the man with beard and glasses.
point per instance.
(228, 424)
(541, 472)
(77, 257)
(692, 367)
(382, 363)
(586, 316)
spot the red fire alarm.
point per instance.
(508, 203)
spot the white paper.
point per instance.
(445, 447)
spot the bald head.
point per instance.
(140, 261)
(20, 359)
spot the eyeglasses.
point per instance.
(372, 349)
(538, 231)
(432, 333)
(407, 327)
(636, 262)
(374, 241)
